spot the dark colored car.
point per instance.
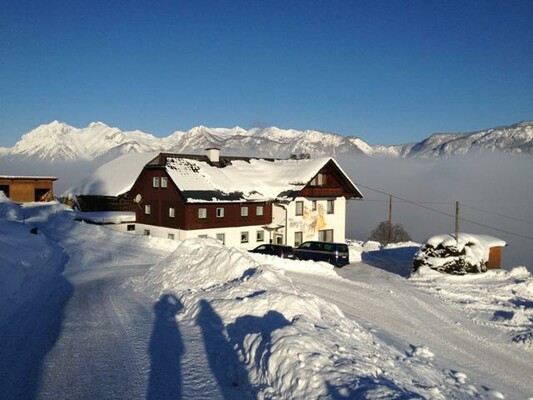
(334, 253)
(275, 250)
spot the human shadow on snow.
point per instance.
(166, 349)
(223, 359)
(28, 335)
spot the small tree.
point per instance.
(385, 230)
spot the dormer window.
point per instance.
(318, 180)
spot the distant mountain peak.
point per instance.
(60, 141)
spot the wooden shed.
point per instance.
(24, 189)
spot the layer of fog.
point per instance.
(499, 184)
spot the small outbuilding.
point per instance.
(25, 189)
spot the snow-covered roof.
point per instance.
(53, 178)
(113, 178)
(449, 239)
(244, 180)
(106, 217)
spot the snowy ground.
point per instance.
(86, 312)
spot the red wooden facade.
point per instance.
(186, 215)
(332, 184)
(156, 202)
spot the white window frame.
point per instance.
(330, 207)
(244, 211)
(164, 182)
(260, 236)
(259, 211)
(171, 212)
(202, 236)
(171, 236)
(299, 208)
(155, 181)
(324, 235)
(245, 237)
(298, 238)
(202, 213)
(147, 209)
(221, 237)
(319, 180)
(220, 212)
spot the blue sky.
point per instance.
(387, 71)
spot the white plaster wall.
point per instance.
(120, 227)
(312, 221)
(232, 235)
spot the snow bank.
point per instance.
(301, 266)
(499, 298)
(272, 340)
(26, 260)
(8, 209)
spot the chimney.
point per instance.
(213, 154)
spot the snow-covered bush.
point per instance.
(456, 256)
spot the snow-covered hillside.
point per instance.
(140, 317)
(515, 139)
(58, 141)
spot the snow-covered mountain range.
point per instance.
(58, 141)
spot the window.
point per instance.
(299, 208)
(298, 238)
(331, 206)
(155, 181)
(220, 212)
(260, 236)
(244, 237)
(325, 235)
(244, 211)
(146, 232)
(131, 227)
(202, 236)
(259, 211)
(147, 209)
(164, 181)
(319, 180)
(202, 213)
(313, 205)
(171, 212)
(221, 237)
(171, 236)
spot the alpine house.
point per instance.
(242, 201)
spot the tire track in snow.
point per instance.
(401, 314)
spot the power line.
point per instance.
(445, 213)
(497, 214)
(401, 201)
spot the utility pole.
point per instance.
(390, 218)
(457, 221)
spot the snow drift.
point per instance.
(267, 336)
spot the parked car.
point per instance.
(334, 253)
(275, 250)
